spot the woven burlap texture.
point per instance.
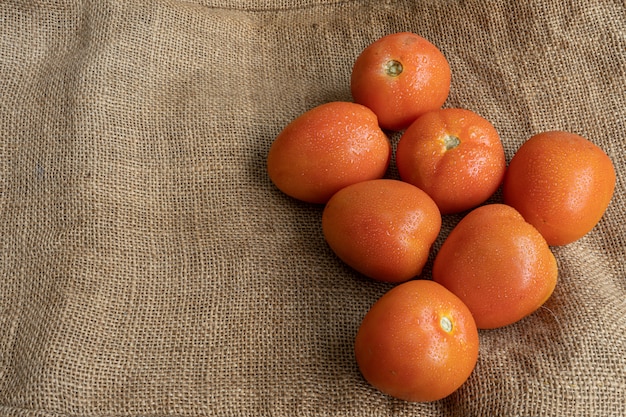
(149, 267)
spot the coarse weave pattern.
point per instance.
(148, 266)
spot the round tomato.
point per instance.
(418, 342)
(498, 264)
(383, 228)
(400, 76)
(561, 183)
(455, 155)
(327, 148)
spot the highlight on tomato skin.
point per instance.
(417, 343)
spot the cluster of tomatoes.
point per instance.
(419, 341)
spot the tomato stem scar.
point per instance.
(451, 142)
(446, 324)
(393, 68)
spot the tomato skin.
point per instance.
(561, 183)
(403, 350)
(453, 154)
(498, 264)
(327, 148)
(397, 100)
(383, 228)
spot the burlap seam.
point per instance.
(269, 9)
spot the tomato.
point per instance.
(455, 155)
(561, 183)
(418, 342)
(327, 148)
(498, 264)
(383, 228)
(400, 76)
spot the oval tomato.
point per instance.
(400, 76)
(418, 342)
(561, 183)
(383, 228)
(455, 155)
(498, 264)
(327, 148)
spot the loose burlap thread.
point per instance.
(149, 267)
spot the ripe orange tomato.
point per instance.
(498, 264)
(383, 228)
(327, 148)
(400, 76)
(561, 183)
(418, 342)
(455, 155)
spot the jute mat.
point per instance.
(148, 266)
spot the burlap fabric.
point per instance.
(148, 266)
